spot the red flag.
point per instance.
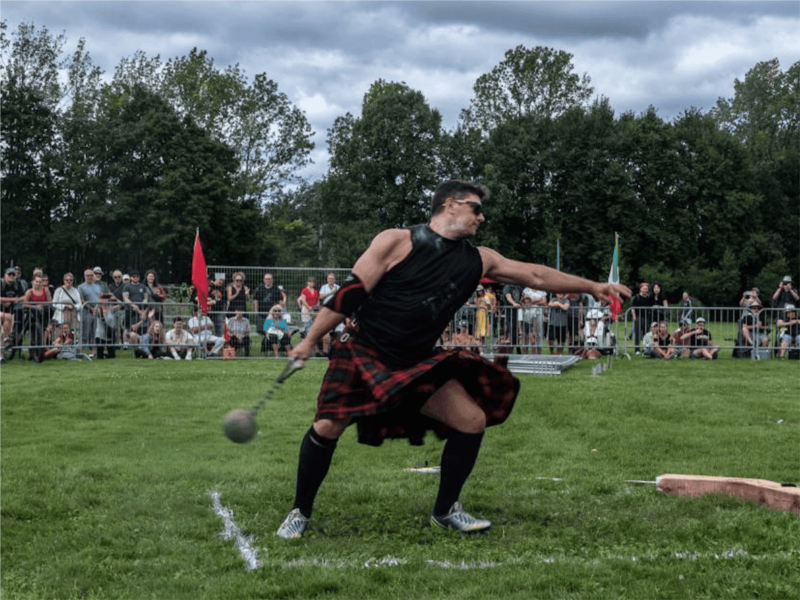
(199, 274)
(613, 277)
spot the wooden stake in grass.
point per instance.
(769, 494)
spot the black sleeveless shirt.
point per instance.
(407, 311)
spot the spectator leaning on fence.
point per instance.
(90, 297)
(67, 302)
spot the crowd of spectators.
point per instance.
(129, 312)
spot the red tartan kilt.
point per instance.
(385, 402)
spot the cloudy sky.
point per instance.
(325, 55)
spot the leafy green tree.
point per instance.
(271, 136)
(159, 178)
(28, 194)
(383, 167)
(529, 81)
(764, 115)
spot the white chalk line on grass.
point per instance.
(244, 545)
(232, 531)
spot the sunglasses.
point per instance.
(476, 206)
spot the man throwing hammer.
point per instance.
(385, 375)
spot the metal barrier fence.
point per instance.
(742, 331)
(105, 329)
(290, 279)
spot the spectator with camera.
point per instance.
(785, 294)
(11, 293)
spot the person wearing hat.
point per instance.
(681, 348)
(790, 337)
(754, 330)
(699, 341)
(482, 306)
(785, 294)
(21, 279)
(11, 294)
(98, 279)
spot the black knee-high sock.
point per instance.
(458, 457)
(316, 453)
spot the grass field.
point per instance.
(110, 471)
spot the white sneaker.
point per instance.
(460, 520)
(189, 356)
(293, 526)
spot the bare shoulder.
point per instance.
(386, 250)
(391, 246)
(494, 263)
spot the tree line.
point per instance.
(122, 173)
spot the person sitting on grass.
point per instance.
(277, 331)
(678, 343)
(754, 330)
(596, 338)
(662, 343)
(699, 340)
(648, 341)
(180, 342)
(462, 340)
(239, 331)
(202, 327)
(61, 342)
(152, 343)
(790, 338)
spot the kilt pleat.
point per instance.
(385, 401)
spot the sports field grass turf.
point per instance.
(108, 470)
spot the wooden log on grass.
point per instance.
(766, 493)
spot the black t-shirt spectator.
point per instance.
(267, 298)
(515, 291)
(11, 290)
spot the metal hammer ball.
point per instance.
(240, 426)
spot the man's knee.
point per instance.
(474, 421)
(330, 429)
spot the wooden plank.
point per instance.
(761, 491)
